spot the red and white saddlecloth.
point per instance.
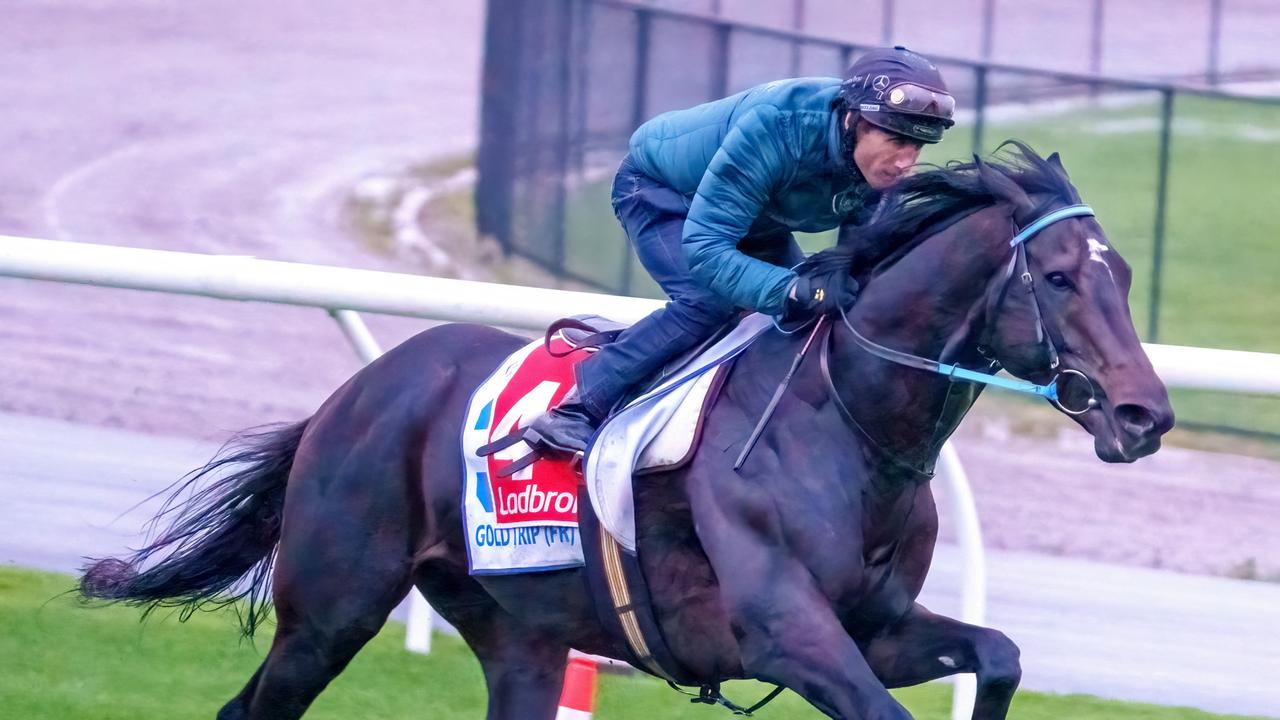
(529, 521)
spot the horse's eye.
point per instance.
(1058, 280)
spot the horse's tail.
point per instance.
(220, 540)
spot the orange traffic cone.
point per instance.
(579, 696)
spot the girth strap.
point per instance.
(623, 606)
(710, 695)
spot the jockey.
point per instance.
(709, 197)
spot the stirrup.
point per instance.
(535, 455)
(501, 443)
(541, 449)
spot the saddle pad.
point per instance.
(654, 430)
(529, 521)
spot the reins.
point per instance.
(825, 364)
(777, 394)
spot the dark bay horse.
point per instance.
(800, 569)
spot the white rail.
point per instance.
(239, 277)
(973, 585)
(235, 277)
(341, 291)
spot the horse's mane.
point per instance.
(925, 203)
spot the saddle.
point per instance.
(593, 332)
(508, 489)
(590, 333)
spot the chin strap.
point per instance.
(864, 200)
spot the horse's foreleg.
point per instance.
(787, 632)
(788, 635)
(923, 646)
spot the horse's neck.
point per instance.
(931, 304)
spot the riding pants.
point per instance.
(653, 217)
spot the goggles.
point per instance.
(919, 100)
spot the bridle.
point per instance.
(1017, 266)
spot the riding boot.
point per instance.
(604, 378)
(567, 428)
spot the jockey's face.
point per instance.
(883, 156)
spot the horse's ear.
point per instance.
(1004, 188)
(1056, 162)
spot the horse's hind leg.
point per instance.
(305, 656)
(316, 636)
(523, 672)
(523, 667)
(344, 563)
(238, 706)
(321, 625)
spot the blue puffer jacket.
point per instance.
(763, 162)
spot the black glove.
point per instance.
(818, 294)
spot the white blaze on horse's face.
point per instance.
(1095, 254)
(1096, 249)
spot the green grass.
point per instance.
(61, 660)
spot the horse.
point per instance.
(801, 568)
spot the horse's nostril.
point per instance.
(1135, 419)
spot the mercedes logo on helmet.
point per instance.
(881, 83)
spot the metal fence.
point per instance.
(1202, 40)
(566, 82)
